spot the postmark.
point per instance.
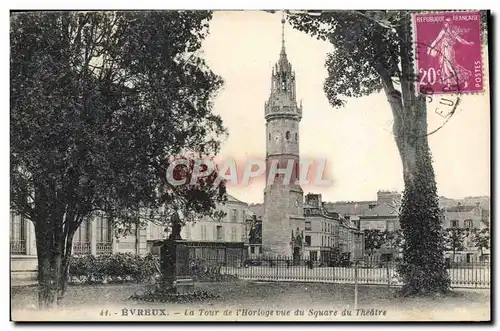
(448, 52)
(440, 106)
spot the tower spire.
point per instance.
(283, 32)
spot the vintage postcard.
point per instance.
(293, 165)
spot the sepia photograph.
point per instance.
(250, 165)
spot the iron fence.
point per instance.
(18, 247)
(103, 248)
(81, 248)
(474, 274)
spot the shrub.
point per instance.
(205, 271)
(113, 268)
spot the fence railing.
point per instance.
(104, 248)
(18, 247)
(467, 275)
(81, 248)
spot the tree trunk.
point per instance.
(65, 264)
(423, 265)
(53, 266)
(46, 294)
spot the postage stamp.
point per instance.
(448, 52)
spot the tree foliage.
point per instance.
(395, 239)
(481, 239)
(455, 239)
(99, 101)
(374, 239)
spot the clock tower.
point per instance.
(283, 219)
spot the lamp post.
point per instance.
(358, 255)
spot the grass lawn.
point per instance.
(257, 301)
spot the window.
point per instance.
(219, 232)
(243, 216)
(259, 250)
(296, 137)
(313, 255)
(234, 215)
(103, 230)
(322, 241)
(103, 236)
(82, 235)
(454, 223)
(468, 224)
(233, 234)
(17, 234)
(203, 232)
(287, 135)
(81, 239)
(269, 137)
(308, 225)
(308, 240)
(252, 249)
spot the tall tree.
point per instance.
(455, 240)
(394, 239)
(481, 239)
(374, 52)
(374, 239)
(99, 101)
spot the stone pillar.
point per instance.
(30, 238)
(93, 237)
(114, 244)
(143, 240)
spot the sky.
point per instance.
(355, 140)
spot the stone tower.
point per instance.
(283, 220)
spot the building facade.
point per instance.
(325, 231)
(470, 218)
(95, 236)
(230, 226)
(283, 199)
